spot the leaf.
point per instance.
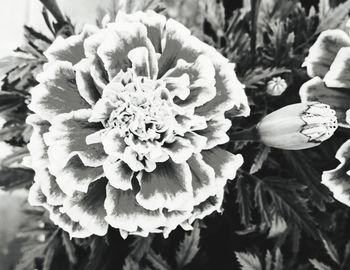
(278, 260)
(331, 250)
(259, 76)
(188, 248)
(346, 257)
(157, 261)
(141, 245)
(244, 200)
(70, 248)
(29, 253)
(248, 261)
(303, 168)
(268, 260)
(262, 203)
(49, 255)
(319, 265)
(130, 264)
(286, 199)
(9, 101)
(260, 158)
(334, 17)
(15, 178)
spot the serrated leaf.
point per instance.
(288, 203)
(334, 17)
(278, 260)
(319, 265)
(70, 248)
(140, 246)
(259, 159)
(331, 250)
(29, 253)
(130, 264)
(244, 200)
(188, 248)
(268, 260)
(248, 261)
(157, 261)
(15, 178)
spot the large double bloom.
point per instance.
(328, 63)
(127, 122)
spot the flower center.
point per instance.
(143, 109)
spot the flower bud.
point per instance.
(298, 126)
(276, 86)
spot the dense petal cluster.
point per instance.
(127, 122)
(328, 63)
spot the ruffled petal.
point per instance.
(122, 38)
(54, 195)
(213, 203)
(339, 72)
(118, 174)
(230, 95)
(202, 81)
(75, 176)
(174, 37)
(88, 208)
(57, 92)
(37, 146)
(113, 143)
(124, 212)
(35, 196)
(216, 131)
(70, 49)
(85, 83)
(153, 21)
(324, 50)
(180, 150)
(169, 186)
(203, 179)
(66, 223)
(339, 99)
(338, 180)
(223, 162)
(67, 137)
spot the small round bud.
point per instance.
(276, 86)
(298, 126)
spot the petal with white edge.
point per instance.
(88, 208)
(169, 186)
(224, 163)
(66, 138)
(338, 75)
(203, 179)
(118, 174)
(324, 50)
(75, 176)
(125, 213)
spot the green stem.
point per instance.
(251, 135)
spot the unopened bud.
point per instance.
(276, 86)
(298, 126)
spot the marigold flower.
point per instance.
(298, 126)
(127, 122)
(276, 86)
(329, 62)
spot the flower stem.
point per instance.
(250, 134)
